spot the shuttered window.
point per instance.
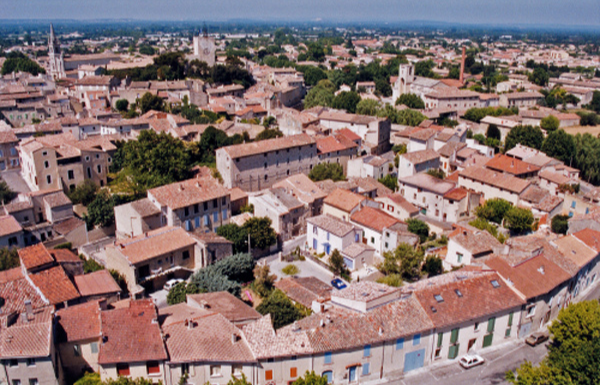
(491, 324)
(453, 351)
(454, 336)
(487, 340)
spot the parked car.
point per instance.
(172, 283)
(338, 284)
(471, 360)
(537, 338)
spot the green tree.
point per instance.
(84, 193)
(9, 258)
(101, 211)
(337, 264)
(122, 105)
(151, 102)
(282, 310)
(207, 280)
(560, 145)
(433, 266)
(519, 220)
(595, 102)
(418, 227)
(393, 280)
(325, 171)
(424, 68)
(368, 107)
(346, 101)
(389, 181)
(526, 135)
(320, 95)
(19, 62)
(404, 260)
(539, 77)
(312, 75)
(263, 280)
(6, 194)
(234, 381)
(493, 132)
(550, 123)
(560, 224)
(311, 378)
(411, 101)
(177, 294)
(92, 378)
(573, 357)
(493, 210)
(236, 234)
(269, 133)
(436, 173)
(261, 232)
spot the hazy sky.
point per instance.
(549, 12)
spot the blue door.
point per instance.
(315, 244)
(352, 373)
(414, 360)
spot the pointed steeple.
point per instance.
(52, 32)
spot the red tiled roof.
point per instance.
(55, 285)
(510, 165)
(156, 243)
(348, 134)
(344, 200)
(224, 303)
(64, 255)
(9, 225)
(373, 218)
(249, 149)
(457, 194)
(79, 322)
(188, 192)
(304, 290)
(28, 338)
(590, 237)
(97, 283)
(332, 144)
(132, 334)
(35, 256)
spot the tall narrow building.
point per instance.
(204, 48)
(56, 59)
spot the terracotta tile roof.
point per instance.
(11, 274)
(224, 303)
(510, 165)
(590, 237)
(524, 95)
(477, 242)
(344, 200)
(373, 218)
(9, 225)
(429, 183)
(457, 194)
(356, 249)
(189, 192)
(575, 250)
(478, 297)
(304, 290)
(237, 193)
(68, 225)
(266, 343)
(346, 132)
(55, 285)
(79, 322)
(554, 177)
(331, 224)
(492, 178)
(402, 202)
(64, 255)
(16, 291)
(423, 135)
(28, 338)
(348, 118)
(302, 188)
(132, 334)
(269, 145)
(223, 342)
(145, 207)
(417, 157)
(35, 256)
(533, 277)
(8, 137)
(549, 203)
(154, 243)
(97, 283)
(330, 144)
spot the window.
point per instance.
(507, 332)
(49, 179)
(185, 368)
(438, 298)
(440, 339)
(215, 217)
(236, 370)
(366, 369)
(487, 340)
(491, 325)
(268, 375)
(573, 204)
(94, 346)
(367, 351)
(46, 164)
(215, 370)
(13, 363)
(33, 381)
(476, 328)
(510, 319)
(70, 174)
(417, 340)
(224, 214)
(77, 350)
(123, 370)
(196, 208)
(205, 206)
(206, 220)
(44, 153)
(152, 367)
(329, 376)
(453, 351)
(16, 382)
(186, 211)
(459, 257)
(87, 158)
(31, 362)
(293, 372)
(454, 335)
(531, 311)
(89, 172)
(99, 168)
(328, 358)
(185, 254)
(495, 284)
(372, 239)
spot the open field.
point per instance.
(594, 130)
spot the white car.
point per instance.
(172, 283)
(469, 361)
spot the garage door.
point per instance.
(414, 360)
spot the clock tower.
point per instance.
(205, 48)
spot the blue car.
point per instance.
(338, 284)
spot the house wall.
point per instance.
(9, 156)
(394, 209)
(42, 370)
(454, 249)
(487, 190)
(322, 237)
(137, 370)
(545, 309)
(199, 373)
(74, 365)
(433, 204)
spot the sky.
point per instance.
(497, 12)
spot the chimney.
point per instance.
(462, 65)
(28, 310)
(234, 338)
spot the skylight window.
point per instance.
(438, 298)
(433, 309)
(495, 284)
(458, 293)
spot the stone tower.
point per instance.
(205, 48)
(406, 76)
(56, 61)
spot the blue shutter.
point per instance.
(197, 220)
(329, 376)
(215, 217)
(399, 343)
(224, 214)
(367, 352)
(206, 220)
(416, 339)
(366, 369)
(315, 244)
(188, 225)
(328, 358)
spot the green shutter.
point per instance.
(487, 340)
(510, 319)
(491, 324)
(507, 334)
(453, 351)
(440, 337)
(454, 336)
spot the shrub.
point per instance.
(290, 270)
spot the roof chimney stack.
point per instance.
(462, 65)
(28, 310)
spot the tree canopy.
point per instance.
(550, 123)
(150, 102)
(526, 135)
(560, 145)
(282, 310)
(404, 260)
(19, 62)
(6, 194)
(325, 171)
(519, 220)
(418, 227)
(411, 101)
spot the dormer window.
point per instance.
(458, 293)
(495, 283)
(438, 298)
